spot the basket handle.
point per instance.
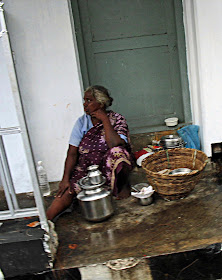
(194, 157)
(168, 159)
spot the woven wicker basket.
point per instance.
(172, 187)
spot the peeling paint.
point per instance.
(50, 243)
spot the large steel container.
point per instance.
(95, 200)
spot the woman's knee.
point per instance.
(116, 150)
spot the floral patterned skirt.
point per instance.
(110, 164)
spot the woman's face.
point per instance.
(90, 103)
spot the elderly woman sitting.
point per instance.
(98, 137)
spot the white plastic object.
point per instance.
(141, 158)
(144, 192)
(171, 121)
(43, 180)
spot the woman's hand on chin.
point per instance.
(99, 114)
(63, 187)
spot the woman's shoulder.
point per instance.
(84, 119)
(116, 115)
(83, 124)
(116, 118)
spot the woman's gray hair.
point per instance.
(101, 94)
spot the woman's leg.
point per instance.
(122, 183)
(59, 204)
(117, 166)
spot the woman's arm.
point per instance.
(70, 162)
(112, 137)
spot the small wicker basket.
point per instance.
(172, 187)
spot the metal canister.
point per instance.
(94, 174)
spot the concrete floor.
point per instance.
(143, 231)
(165, 239)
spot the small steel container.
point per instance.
(94, 174)
(172, 141)
(146, 201)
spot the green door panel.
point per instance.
(140, 82)
(126, 18)
(131, 48)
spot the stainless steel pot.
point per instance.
(95, 200)
(172, 141)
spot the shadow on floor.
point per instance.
(195, 265)
(68, 274)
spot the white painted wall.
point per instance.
(47, 69)
(13, 143)
(49, 80)
(209, 22)
(205, 67)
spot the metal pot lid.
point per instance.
(85, 183)
(171, 138)
(93, 167)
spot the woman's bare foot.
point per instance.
(123, 184)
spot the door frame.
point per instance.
(193, 63)
(181, 43)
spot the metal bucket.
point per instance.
(95, 200)
(96, 208)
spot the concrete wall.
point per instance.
(204, 39)
(47, 69)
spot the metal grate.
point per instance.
(10, 195)
(14, 211)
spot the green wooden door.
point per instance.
(131, 48)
